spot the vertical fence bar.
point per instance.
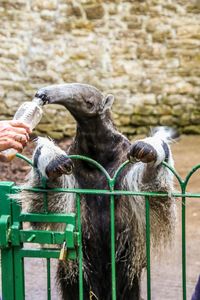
(19, 275)
(80, 250)
(183, 245)
(148, 247)
(7, 274)
(7, 265)
(18, 260)
(48, 279)
(112, 224)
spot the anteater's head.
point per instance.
(82, 100)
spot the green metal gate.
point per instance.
(13, 236)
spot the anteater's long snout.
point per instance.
(58, 94)
(66, 94)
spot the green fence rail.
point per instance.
(13, 236)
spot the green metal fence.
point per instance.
(13, 236)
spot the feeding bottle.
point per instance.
(29, 113)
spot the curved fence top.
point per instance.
(112, 180)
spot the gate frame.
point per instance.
(12, 235)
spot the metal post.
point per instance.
(7, 262)
(183, 246)
(18, 260)
(148, 247)
(113, 264)
(80, 250)
(19, 275)
(48, 278)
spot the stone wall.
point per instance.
(145, 52)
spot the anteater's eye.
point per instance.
(89, 104)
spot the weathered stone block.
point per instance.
(177, 110)
(94, 11)
(189, 31)
(62, 25)
(171, 99)
(123, 120)
(16, 4)
(70, 130)
(142, 130)
(168, 120)
(56, 135)
(44, 4)
(195, 118)
(192, 129)
(139, 7)
(47, 15)
(76, 11)
(46, 127)
(145, 110)
(184, 119)
(125, 109)
(194, 7)
(3, 108)
(163, 109)
(163, 32)
(129, 130)
(149, 99)
(144, 120)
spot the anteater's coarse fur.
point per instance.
(97, 138)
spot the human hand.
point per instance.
(13, 134)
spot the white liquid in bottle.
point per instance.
(29, 113)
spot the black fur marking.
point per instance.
(166, 149)
(36, 156)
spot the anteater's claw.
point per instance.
(59, 166)
(141, 151)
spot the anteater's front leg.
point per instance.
(148, 174)
(148, 155)
(51, 161)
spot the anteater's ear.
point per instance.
(107, 102)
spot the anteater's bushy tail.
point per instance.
(165, 133)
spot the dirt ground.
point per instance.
(166, 270)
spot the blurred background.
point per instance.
(147, 54)
(144, 52)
